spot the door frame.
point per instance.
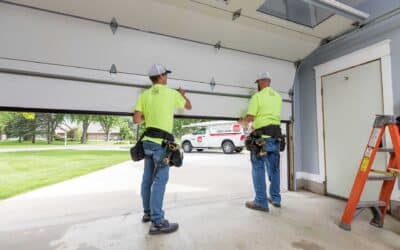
(379, 51)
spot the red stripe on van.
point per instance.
(222, 134)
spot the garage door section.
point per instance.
(72, 64)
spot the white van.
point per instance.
(227, 135)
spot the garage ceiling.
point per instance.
(207, 21)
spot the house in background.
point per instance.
(95, 131)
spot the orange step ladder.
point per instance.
(388, 176)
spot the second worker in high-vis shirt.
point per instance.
(264, 112)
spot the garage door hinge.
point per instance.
(236, 14)
(114, 25)
(113, 70)
(212, 83)
(218, 45)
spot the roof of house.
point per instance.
(94, 127)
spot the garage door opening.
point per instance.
(61, 165)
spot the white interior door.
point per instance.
(351, 99)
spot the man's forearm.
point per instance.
(188, 104)
(246, 120)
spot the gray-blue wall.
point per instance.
(305, 132)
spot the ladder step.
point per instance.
(386, 150)
(381, 178)
(382, 171)
(367, 204)
(394, 171)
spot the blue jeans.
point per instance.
(270, 163)
(153, 186)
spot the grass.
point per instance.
(24, 171)
(41, 143)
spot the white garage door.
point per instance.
(63, 63)
(351, 99)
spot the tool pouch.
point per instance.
(255, 143)
(174, 156)
(137, 151)
(282, 143)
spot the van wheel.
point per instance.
(228, 147)
(238, 149)
(187, 147)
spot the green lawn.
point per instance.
(24, 171)
(40, 143)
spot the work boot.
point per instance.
(253, 205)
(275, 204)
(163, 228)
(146, 218)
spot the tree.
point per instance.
(107, 122)
(33, 125)
(18, 126)
(85, 120)
(126, 129)
(5, 118)
(180, 122)
(49, 122)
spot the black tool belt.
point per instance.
(159, 133)
(173, 154)
(270, 130)
(255, 143)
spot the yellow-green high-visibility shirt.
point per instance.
(158, 105)
(266, 107)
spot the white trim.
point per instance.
(308, 176)
(380, 51)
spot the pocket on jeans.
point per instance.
(271, 145)
(148, 152)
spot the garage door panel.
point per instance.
(47, 93)
(37, 92)
(76, 42)
(33, 68)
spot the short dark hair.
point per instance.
(154, 79)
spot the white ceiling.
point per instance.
(207, 21)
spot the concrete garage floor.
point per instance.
(102, 211)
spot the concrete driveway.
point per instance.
(102, 210)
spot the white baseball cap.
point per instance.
(263, 75)
(158, 69)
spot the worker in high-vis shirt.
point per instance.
(155, 108)
(264, 112)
